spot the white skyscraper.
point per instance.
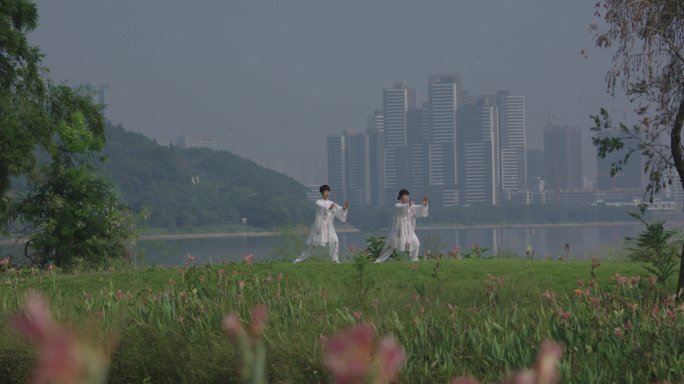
(478, 132)
(396, 102)
(444, 98)
(512, 143)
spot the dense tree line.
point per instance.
(375, 218)
(198, 187)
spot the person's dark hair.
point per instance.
(402, 193)
(324, 187)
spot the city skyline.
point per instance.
(272, 80)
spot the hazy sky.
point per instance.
(284, 74)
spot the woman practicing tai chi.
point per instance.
(402, 236)
(323, 232)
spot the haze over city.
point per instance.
(270, 80)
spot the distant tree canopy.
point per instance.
(190, 187)
(376, 218)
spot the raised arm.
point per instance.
(340, 211)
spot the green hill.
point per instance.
(199, 187)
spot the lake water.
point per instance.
(584, 241)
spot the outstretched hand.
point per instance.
(345, 205)
(332, 206)
(425, 200)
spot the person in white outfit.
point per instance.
(402, 235)
(323, 232)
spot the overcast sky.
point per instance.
(284, 74)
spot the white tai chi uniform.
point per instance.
(323, 232)
(402, 235)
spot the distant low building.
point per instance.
(197, 141)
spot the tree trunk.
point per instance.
(676, 148)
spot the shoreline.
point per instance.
(419, 228)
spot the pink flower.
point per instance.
(241, 284)
(190, 259)
(232, 325)
(465, 380)
(549, 295)
(269, 279)
(634, 281)
(357, 315)
(348, 354)
(63, 358)
(547, 360)
(565, 315)
(248, 258)
(391, 357)
(618, 332)
(4, 262)
(619, 279)
(259, 314)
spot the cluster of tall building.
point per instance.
(464, 149)
(457, 148)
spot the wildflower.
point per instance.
(51, 268)
(632, 307)
(357, 315)
(652, 280)
(352, 249)
(546, 369)
(241, 284)
(280, 276)
(4, 263)
(465, 380)
(322, 339)
(549, 295)
(634, 281)
(391, 358)
(259, 314)
(63, 358)
(119, 295)
(413, 267)
(529, 252)
(565, 315)
(596, 301)
(268, 279)
(618, 332)
(620, 280)
(578, 292)
(375, 303)
(348, 354)
(190, 259)
(455, 252)
(172, 282)
(233, 326)
(248, 258)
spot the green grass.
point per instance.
(168, 320)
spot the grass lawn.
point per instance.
(453, 317)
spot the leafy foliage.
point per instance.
(648, 65)
(69, 212)
(657, 246)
